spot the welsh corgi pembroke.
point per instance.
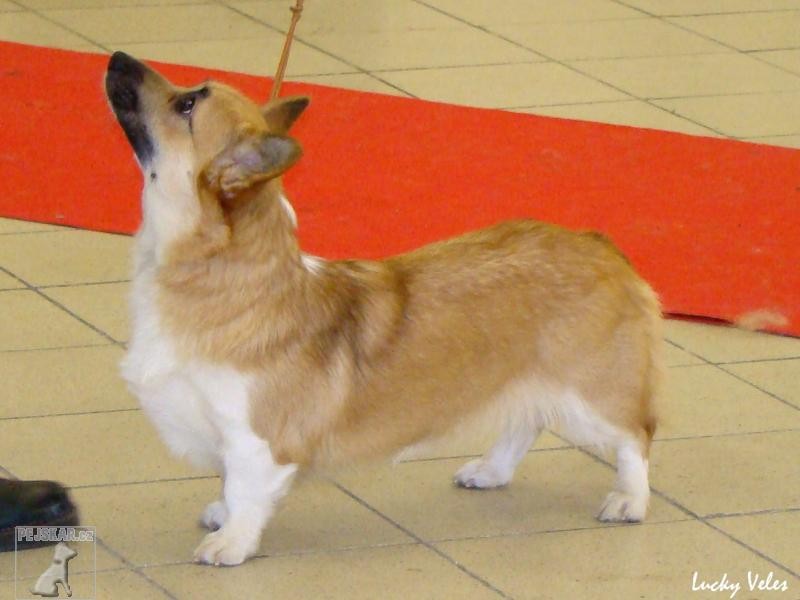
(260, 361)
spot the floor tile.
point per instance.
(118, 25)
(552, 490)
(18, 226)
(25, 26)
(36, 560)
(730, 474)
(255, 56)
(722, 344)
(399, 572)
(634, 113)
(700, 75)
(104, 305)
(607, 39)
(747, 115)
(66, 256)
(28, 321)
(704, 400)
(748, 31)
(497, 86)
(656, 562)
(787, 59)
(314, 517)
(781, 377)
(349, 16)
(774, 534)
(699, 7)
(388, 50)
(479, 12)
(93, 449)
(70, 380)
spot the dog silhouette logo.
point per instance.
(58, 572)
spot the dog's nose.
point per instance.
(123, 64)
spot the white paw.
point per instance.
(622, 507)
(214, 516)
(480, 474)
(224, 547)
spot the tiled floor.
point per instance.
(725, 467)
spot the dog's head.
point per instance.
(208, 135)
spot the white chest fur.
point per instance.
(194, 405)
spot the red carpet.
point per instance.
(713, 224)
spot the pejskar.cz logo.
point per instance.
(55, 562)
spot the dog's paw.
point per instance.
(224, 547)
(480, 474)
(214, 516)
(622, 507)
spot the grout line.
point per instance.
(419, 540)
(757, 360)
(727, 95)
(52, 348)
(62, 307)
(734, 375)
(32, 232)
(726, 14)
(575, 69)
(302, 40)
(142, 482)
(82, 284)
(721, 435)
(687, 511)
(73, 414)
(535, 61)
(752, 513)
(771, 136)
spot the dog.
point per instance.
(58, 572)
(260, 361)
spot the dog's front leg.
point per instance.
(254, 484)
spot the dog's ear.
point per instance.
(281, 114)
(250, 159)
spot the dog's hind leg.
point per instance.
(496, 467)
(628, 500)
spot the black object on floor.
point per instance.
(33, 503)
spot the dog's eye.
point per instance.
(185, 105)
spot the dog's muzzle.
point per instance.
(124, 79)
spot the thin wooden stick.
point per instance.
(297, 10)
